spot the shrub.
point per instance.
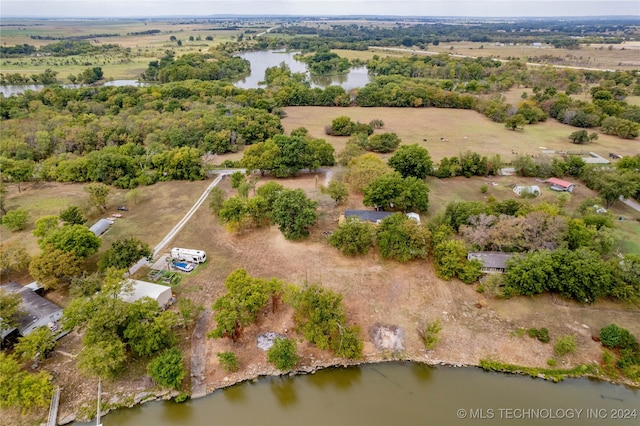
(283, 354)
(353, 237)
(228, 361)
(541, 334)
(430, 334)
(167, 369)
(613, 336)
(15, 220)
(565, 345)
(484, 189)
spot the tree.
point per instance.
(580, 137)
(3, 198)
(45, 226)
(384, 142)
(104, 358)
(412, 160)
(228, 361)
(239, 307)
(55, 267)
(392, 191)
(13, 259)
(167, 369)
(611, 186)
(133, 196)
(216, 200)
(17, 171)
(10, 310)
(148, 328)
(450, 257)
(364, 169)
(72, 215)
(19, 388)
(124, 253)
(37, 343)
(402, 238)
(293, 212)
(515, 122)
(15, 220)
(188, 311)
(86, 286)
(337, 190)
(98, 193)
(353, 237)
(77, 239)
(283, 354)
(320, 316)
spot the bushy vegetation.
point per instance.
(228, 361)
(283, 354)
(320, 316)
(167, 369)
(430, 334)
(626, 351)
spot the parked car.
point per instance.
(123, 208)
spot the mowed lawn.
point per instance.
(449, 132)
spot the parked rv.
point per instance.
(189, 255)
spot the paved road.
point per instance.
(631, 203)
(199, 356)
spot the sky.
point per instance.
(479, 8)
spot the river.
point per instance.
(397, 394)
(260, 61)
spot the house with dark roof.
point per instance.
(367, 215)
(37, 311)
(561, 185)
(492, 261)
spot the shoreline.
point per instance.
(318, 365)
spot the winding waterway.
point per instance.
(397, 394)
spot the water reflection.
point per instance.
(284, 389)
(345, 379)
(422, 372)
(261, 60)
(235, 394)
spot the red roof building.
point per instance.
(561, 185)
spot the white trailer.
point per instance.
(189, 255)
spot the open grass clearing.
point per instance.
(447, 132)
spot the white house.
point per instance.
(139, 289)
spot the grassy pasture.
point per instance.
(159, 208)
(461, 130)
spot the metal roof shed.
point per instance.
(160, 293)
(100, 227)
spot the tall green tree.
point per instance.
(283, 354)
(412, 160)
(393, 192)
(13, 258)
(45, 226)
(402, 238)
(353, 237)
(337, 190)
(98, 193)
(72, 215)
(39, 342)
(124, 253)
(15, 220)
(10, 310)
(19, 388)
(77, 239)
(293, 212)
(55, 267)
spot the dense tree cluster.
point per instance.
(114, 330)
(325, 62)
(216, 65)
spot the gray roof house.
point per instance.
(492, 261)
(368, 215)
(39, 312)
(100, 227)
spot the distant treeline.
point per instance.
(78, 37)
(61, 48)
(147, 32)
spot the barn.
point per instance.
(100, 227)
(139, 289)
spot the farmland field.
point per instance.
(447, 132)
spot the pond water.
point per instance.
(397, 394)
(261, 60)
(15, 89)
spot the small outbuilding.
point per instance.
(561, 185)
(100, 227)
(139, 289)
(527, 189)
(492, 261)
(37, 311)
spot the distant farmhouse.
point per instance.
(492, 261)
(561, 185)
(38, 312)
